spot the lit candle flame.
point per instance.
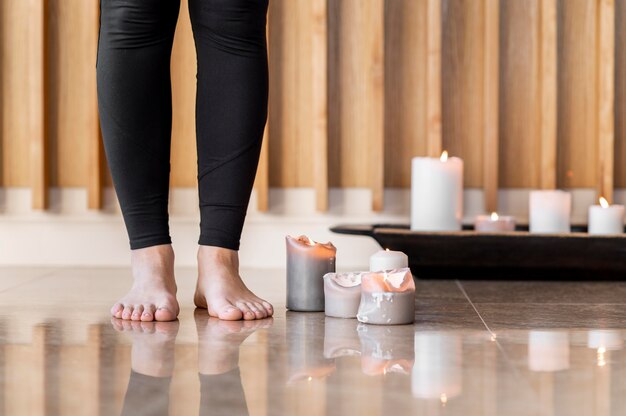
(444, 399)
(494, 216)
(386, 249)
(444, 156)
(603, 202)
(310, 242)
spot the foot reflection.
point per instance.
(218, 362)
(152, 364)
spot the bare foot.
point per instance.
(152, 353)
(153, 294)
(221, 290)
(219, 341)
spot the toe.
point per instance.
(248, 315)
(117, 324)
(164, 314)
(137, 311)
(148, 313)
(230, 313)
(116, 310)
(259, 312)
(268, 307)
(127, 312)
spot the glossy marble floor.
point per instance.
(477, 348)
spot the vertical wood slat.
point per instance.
(490, 100)
(433, 78)
(319, 50)
(261, 182)
(605, 64)
(377, 97)
(94, 186)
(36, 103)
(547, 108)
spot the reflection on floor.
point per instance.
(477, 348)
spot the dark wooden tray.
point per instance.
(516, 255)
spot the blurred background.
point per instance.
(528, 93)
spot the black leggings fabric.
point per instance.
(135, 105)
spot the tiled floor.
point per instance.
(477, 348)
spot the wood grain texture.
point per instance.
(520, 146)
(620, 94)
(291, 146)
(547, 105)
(606, 95)
(261, 181)
(434, 110)
(356, 89)
(184, 166)
(405, 89)
(36, 92)
(577, 94)
(490, 103)
(463, 63)
(319, 75)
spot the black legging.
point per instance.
(135, 104)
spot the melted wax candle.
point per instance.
(387, 298)
(307, 263)
(342, 294)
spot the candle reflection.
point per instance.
(341, 338)
(437, 373)
(305, 348)
(386, 349)
(548, 351)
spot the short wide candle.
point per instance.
(550, 211)
(606, 219)
(388, 260)
(436, 193)
(387, 298)
(307, 263)
(342, 294)
(494, 223)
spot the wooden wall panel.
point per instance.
(405, 88)
(519, 164)
(290, 150)
(463, 72)
(16, 117)
(620, 94)
(356, 85)
(183, 159)
(577, 94)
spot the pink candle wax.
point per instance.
(387, 297)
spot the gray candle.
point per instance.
(387, 298)
(307, 263)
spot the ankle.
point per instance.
(218, 257)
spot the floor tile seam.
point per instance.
(462, 289)
(29, 281)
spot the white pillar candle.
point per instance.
(387, 298)
(550, 211)
(342, 294)
(307, 263)
(606, 219)
(388, 260)
(437, 373)
(548, 351)
(436, 193)
(494, 223)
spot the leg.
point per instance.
(231, 110)
(134, 101)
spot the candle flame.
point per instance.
(310, 242)
(494, 216)
(603, 202)
(444, 399)
(386, 249)
(444, 156)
